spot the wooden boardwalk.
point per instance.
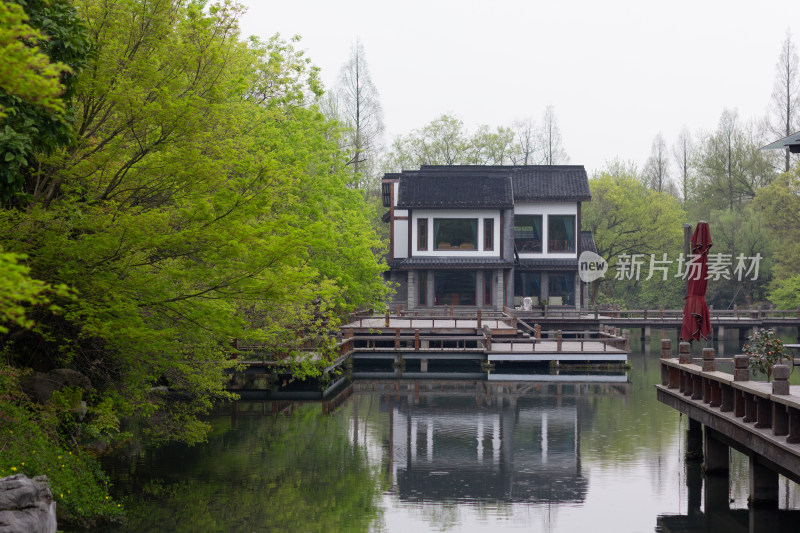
(762, 420)
(494, 339)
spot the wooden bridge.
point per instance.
(566, 317)
(722, 320)
(761, 420)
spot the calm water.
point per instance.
(512, 453)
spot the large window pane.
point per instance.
(562, 288)
(454, 287)
(561, 230)
(455, 233)
(527, 284)
(528, 233)
(422, 234)
(422, 288)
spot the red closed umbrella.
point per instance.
(696, 319)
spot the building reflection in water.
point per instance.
(505, 441)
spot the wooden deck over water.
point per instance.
(494, 339)
(761, 420)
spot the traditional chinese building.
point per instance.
(487, 236)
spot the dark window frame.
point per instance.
(529, 244)
(422, 234)
(422, 288)
(487, 288)
(455, 246)
(562, 244)
(488, 234)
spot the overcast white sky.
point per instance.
(617, 72)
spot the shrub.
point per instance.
(765, 350)
(31, 444)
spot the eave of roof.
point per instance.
(786, 142)
(547, 264)
(449, 263)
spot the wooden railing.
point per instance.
(416, 320)
(763, 405)
(758, 313)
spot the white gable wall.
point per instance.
(400, 233)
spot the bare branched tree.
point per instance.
(784, 115)
(554, 153)
(683, 155)
(527, 148)
(656, 169)
(360, 110)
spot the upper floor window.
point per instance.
(488, 234)
(528, 233)
(561, 234)
(455, 234)
(422, 234)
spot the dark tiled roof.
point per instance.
(587, 242)
(548, 264)
(454, 186)
(449, 263)
(455, 191)
(554, 183)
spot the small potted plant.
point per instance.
(765, 350)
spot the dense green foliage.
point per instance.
(198, 198)
(33, 442)
(627, 220)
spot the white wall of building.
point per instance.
(401, 235)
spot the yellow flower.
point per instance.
(13, 468)
(62, 494)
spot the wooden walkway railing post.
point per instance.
(558, 341)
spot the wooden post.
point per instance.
(666, 349)
(645, 314)
(558, 341)
(538, 331)
(489, 341)
(780, 376)
(684, 353)
(741, 372)
(479, 318)
(386, 321)
(416, 339)
(451, 310)
(666, 353)
(596, 313)
(397, 337)
(708, 360)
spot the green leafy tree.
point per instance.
(627, 218)
(779, 204)
(42, 48)
(202, 200)
(730, 167)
